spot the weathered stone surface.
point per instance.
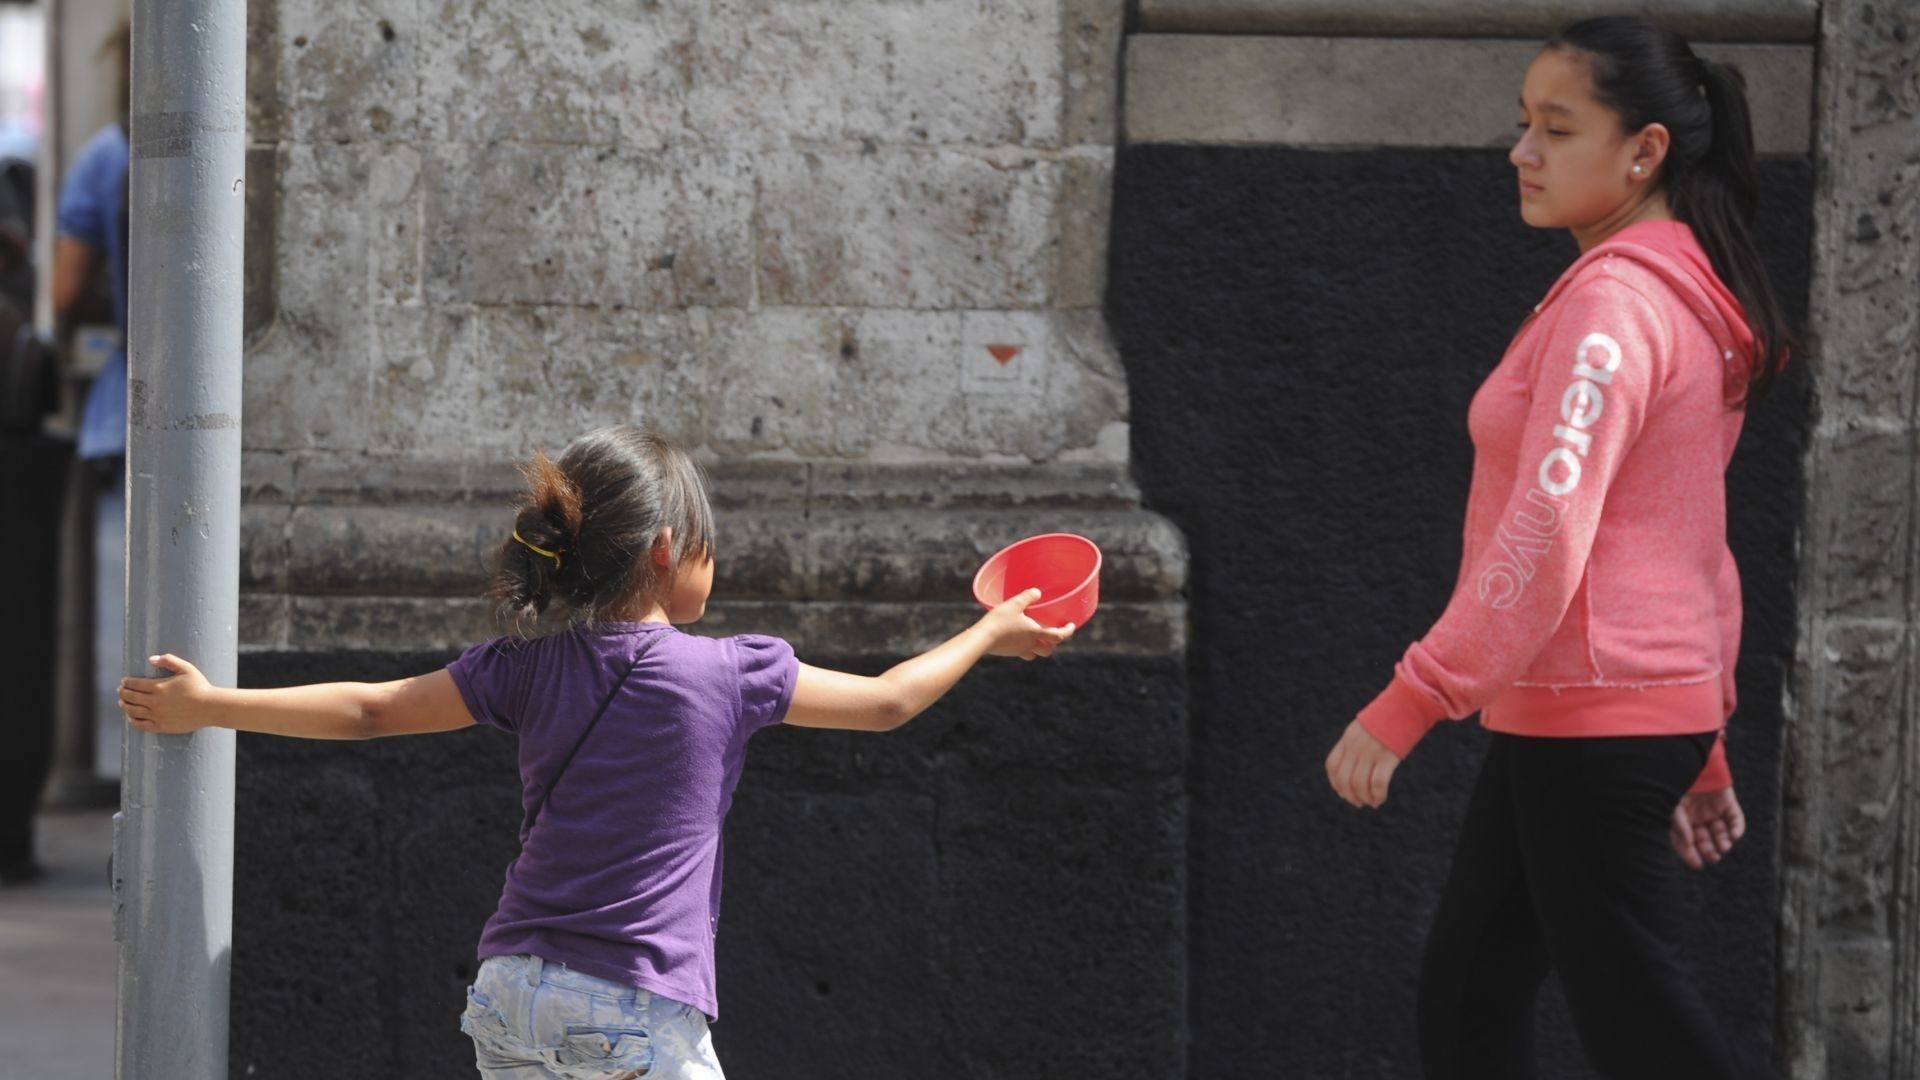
(892, 385)
(1092, 33)
(896, 228)
(261, 260)
(330, 478)
(384, 553)
(1140, 629)
(396, 552)
(1865, 522)
(769, 178)
(944, 73)
(1874, 222)
(383, 622)
(1857, 976)
(263, 548)
(1329, 92)
(1851, 998)
(1086, 204)
(494, 382)
(1868, 681)
(838, 486)
(387, 550)
(266, 113)
(1734, 20)
(749, 72)
(265, 620)
(305, 378)
(772, 382)
(609, 226)
(350, 71)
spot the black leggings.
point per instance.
(1564, 864)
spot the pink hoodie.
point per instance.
(1596, 593)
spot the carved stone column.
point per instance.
(1850, 973)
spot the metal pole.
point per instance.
(174, 844)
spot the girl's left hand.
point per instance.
(1706, 826)
(168, 706)
(1361, 767)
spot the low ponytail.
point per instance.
(1650, 75)
(1719, 197)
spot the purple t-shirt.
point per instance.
(620, 877)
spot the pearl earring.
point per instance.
(1637, 170)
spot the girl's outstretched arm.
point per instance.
(185, 702)
(835, 699)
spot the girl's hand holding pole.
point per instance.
(174, 705)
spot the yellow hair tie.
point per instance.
(537, 549)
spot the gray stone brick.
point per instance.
(456, 381)
(349, 72)
(895, 228)
(1862, 516)
(584, 225)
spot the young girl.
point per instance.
(1596, 620)
(599, 962)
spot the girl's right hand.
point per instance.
(169, 706)
(1014, 633)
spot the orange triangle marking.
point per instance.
(1004, 353)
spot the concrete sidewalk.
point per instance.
(58, 965)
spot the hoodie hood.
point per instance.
(1670, 250)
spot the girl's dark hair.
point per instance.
(1649, 75)
(599, 510)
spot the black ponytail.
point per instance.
(1650, 75)
(583, 538)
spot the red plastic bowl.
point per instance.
(1064, 567)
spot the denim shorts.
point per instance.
(535, 1020)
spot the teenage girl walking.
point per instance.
(599, 963)
(1596, 619)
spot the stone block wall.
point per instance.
(786, 235)
(775, 229)
(1850, 917)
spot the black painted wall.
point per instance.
(995, 890)
(1302, 332)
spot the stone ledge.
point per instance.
(1724, 20)
(322, 478)
(341, 551)
(280, 622)
(1326, 92)
(880, 554)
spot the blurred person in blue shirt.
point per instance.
(91, 228)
